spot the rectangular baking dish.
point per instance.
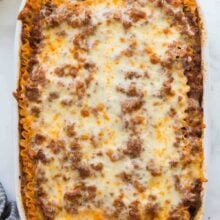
(206, 104)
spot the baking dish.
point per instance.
(205, 103)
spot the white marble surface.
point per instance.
(8, 13)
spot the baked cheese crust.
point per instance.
(110, 107)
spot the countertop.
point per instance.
(8, 14)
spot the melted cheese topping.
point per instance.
(107, 99)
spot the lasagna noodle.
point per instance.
(110, 109)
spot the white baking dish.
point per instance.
(206, 104)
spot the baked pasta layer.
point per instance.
(110, 110)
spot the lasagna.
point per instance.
(110, 110)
